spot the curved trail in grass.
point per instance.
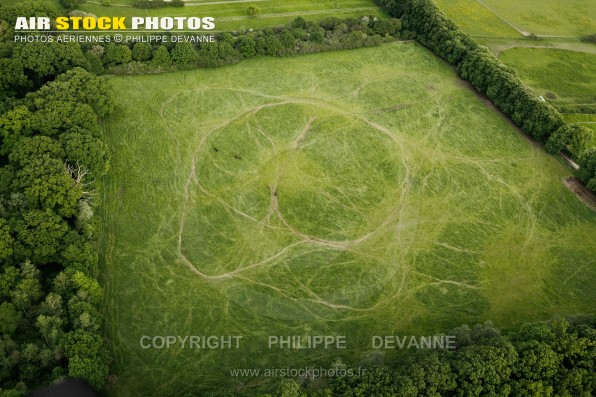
(274, 206)
(304, 239)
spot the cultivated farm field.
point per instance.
(353, 193)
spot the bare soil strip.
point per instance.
(584, 194)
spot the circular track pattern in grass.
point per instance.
(284, 194)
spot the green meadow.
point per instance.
(356, 193)
(508, 18)
(542, 68)
(476, 19)
(233, 15)
(557, 65)
(547, 17)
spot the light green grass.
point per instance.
(8, 3)
(232, 15)
(575, 18)
(475, 19)
(324, 194)
(570, 75)
(587, 120)
(580, 118)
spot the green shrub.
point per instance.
(148, 4)
(253, 10)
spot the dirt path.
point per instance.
(305, 239)
(567, 46)
(584, 194)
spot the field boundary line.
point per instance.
(523, 33)
(552, 46)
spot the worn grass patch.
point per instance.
(324, 195)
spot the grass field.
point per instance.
(232, 15)
(548, 17)
(475, 19)
(542, 70)
(512, 18)
(324, 195)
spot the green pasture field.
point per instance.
(475, 19)
(358, 193)
(232, 15)
(576, 18)
(512, 18)
(569, 75)
(8, 3)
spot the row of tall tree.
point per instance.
(51, 157)
(297, 37)
(492, 78)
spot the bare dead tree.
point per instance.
(78, 174)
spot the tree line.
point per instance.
(51, 159)
(297, 37)
(497, 81)
(553, 358)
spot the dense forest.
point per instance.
(52, 158)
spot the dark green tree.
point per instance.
(587, 170)
(141, 52)
(184, 54)
(87, 357)
(116, 54)
(161, 56)
(247, 46)
(39, 236)
(42, 62)
(76, 85)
